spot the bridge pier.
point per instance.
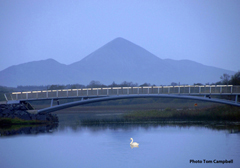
(51, 103)
(6, 97)
(52, 100)
(236, 99)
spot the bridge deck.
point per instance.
(107, 91)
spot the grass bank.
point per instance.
(218, 113)
(16, 121)
(11, 127)
(226, 115)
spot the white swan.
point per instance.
(133, 144)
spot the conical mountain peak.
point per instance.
(118, 58)
(119, 40)
(120, 50)
(121, 43)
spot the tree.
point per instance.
(225, 79)
(94, 84)
(128, 84)
(145, 84)
(77, 86)
(113, 85)
(235, 79)
(197, 84)
(56, 87)
(174, 84)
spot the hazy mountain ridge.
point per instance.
(33, 73)
(119, 60)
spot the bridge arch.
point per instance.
(100, 99)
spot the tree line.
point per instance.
(226, 79)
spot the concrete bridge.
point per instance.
(91, 95)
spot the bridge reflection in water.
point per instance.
(197, 92)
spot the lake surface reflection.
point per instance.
(108, 145)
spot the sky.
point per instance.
(205, 31)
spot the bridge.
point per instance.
(210, 93)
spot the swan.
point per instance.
(133, 143)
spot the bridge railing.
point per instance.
(183, 89)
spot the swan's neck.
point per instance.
(132, 141)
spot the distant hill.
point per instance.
(119, 60)
(34, 73)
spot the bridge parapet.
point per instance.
(108, 91)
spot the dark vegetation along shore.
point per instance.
(218, 113)
(17, 114)
(8, 130)
(15, 119)
(219, 117)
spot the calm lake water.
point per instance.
(74, 145)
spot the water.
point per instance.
(164, 145)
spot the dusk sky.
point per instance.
(205, 31)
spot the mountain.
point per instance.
(119, 60)
(34, 73)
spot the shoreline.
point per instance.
(17, 114)
(18, 121)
